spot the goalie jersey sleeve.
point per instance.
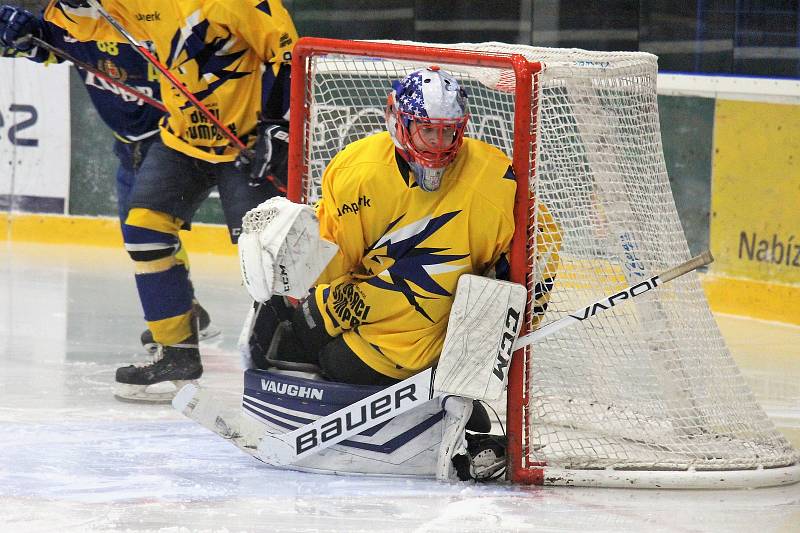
(390, 288)
(226, 52)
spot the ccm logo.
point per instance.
(287, 285)
(611, 301)
(378, 407)
(506, 344)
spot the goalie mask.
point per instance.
(426, 115)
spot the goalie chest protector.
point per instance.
(406, 445)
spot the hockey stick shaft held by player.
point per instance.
(150, 58)
(88, 68)
(610, 301)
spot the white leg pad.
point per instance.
(457, 413)
(243, 343)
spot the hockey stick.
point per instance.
(175, 82)
(607, 303)
(287, 448)
(88, 68)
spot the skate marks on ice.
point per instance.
(150, 475)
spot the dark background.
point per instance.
(735, 37)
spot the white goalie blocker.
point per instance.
(280, 250)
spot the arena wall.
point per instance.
(732, 151)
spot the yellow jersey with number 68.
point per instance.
(218, 50)
(402, 249)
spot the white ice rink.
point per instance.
(72, 458)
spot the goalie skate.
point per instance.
(488, 456)
(158, 381)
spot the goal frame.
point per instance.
(526, 123)
(526, 87)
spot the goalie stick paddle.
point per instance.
(204, 407)
(88, 68)
(175, 82)
(287, 448)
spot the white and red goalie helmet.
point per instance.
(426, 115)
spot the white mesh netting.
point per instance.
(648, 385)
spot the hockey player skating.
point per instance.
(233, 57)
(133, 122)
(412, 210)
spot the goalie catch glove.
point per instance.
(269, 158)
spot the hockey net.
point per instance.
(644, 394)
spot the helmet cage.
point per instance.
(435, 142)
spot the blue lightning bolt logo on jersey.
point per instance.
(213, 61)
(412, 263)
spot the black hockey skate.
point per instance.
(179, 364)
(488, 455)
(207, 329)
(485, 459)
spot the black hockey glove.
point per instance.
(270, 156)
(17, 23)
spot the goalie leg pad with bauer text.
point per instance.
(406, 445)
(280, 251)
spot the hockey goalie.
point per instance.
(381, 318)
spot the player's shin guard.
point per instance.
(207, 329)
(166, 296)
(162, 278)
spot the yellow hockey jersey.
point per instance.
(390, 288)
(216, 48)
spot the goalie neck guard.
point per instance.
(426, 115)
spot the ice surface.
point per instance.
(72, 458)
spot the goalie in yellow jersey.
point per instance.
(411, 210)
(405, 216)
